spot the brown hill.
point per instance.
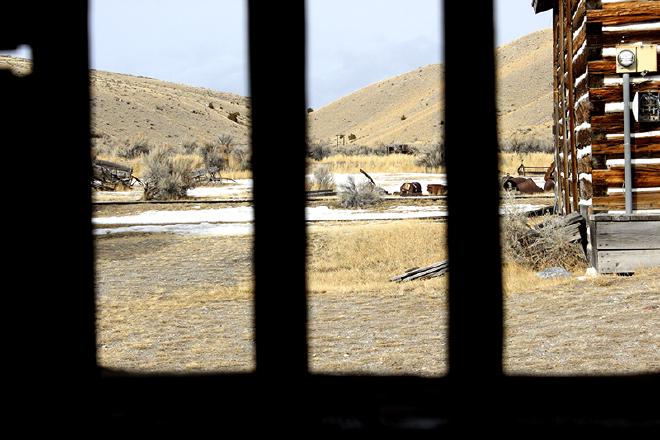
(127, 108)
(408, 109)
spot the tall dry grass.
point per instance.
(361, 258)
(404, 163)
(394, 163)
(509, 162)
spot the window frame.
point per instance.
(281, 393)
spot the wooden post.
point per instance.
(563, 168)
(555, 116)
(571, 110)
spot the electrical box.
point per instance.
(646, 106)
(634, 58)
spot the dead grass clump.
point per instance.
(360, 195)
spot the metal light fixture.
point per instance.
(626, 58)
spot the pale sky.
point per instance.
(351, 43)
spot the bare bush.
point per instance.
(352, 195)
(323, 178)
(318, 150)
(213, 155)
(539, 248)
(190, 147)
(132, 150)
(167, 175)
(240, 158)
(431, 156)
(527, 145)
(227, 140)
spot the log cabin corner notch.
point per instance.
(588, 127)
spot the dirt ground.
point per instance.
(183, 303)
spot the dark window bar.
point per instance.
(52, 337)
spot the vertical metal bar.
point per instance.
(279, 113)
(626, 144)
(475, 332)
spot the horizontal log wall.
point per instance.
(608, 24)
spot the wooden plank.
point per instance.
(602, 146)
(625, 217)
(627, 260)
(614, 93)
(563, 165)
(556, 107)
(641, 200)
(628, 235)
(579, 66)
(580, 13)
(593, 231)
(637, 151)
(643, 176)
(606, 66)
(612, 123)
(612, 38)
(571, 108)
(620, 13)
(579, 40)
(582, 113)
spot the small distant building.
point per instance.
(588, 127)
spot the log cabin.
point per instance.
(588, 127)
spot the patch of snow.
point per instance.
(391, 182)
(193, 229)
(621, 190)
(241, 214)
(241, 187)
(621, 162)
(584, 151)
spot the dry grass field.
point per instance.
(403, 163)
(183, 303)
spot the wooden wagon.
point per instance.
(109, 176)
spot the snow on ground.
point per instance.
(240, 214)
(391, 182)
(238, 221)
(242, 188)
(183, 229)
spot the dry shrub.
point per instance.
(541, 248)
(352, 195)
(431, 157)
(167, 175)
(132, 150)
(323, 178)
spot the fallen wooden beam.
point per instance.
(431, 271)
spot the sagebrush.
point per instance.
(358, 195)
(167, 175)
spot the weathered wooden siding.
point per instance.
(625, 243)
(588, 111)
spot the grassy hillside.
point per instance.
(408, 109)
